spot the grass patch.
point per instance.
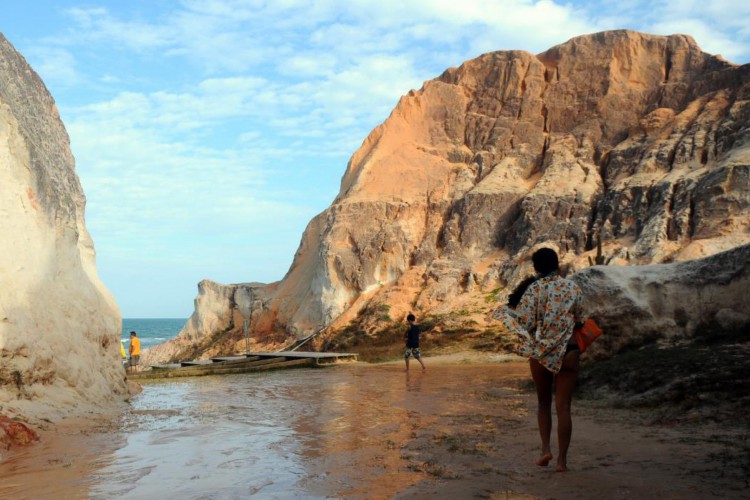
(492, 296)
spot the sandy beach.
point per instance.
(464, 428)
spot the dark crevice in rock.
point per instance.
(669, 210)
(440, 241)
(505, 236)
(590, 226)
(691, 218)
(545, 146)
(547, 74)
(672, 155)
(597, 156)
(603, 166)
(704, 156)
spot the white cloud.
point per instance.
(55, 64)
(308, 64)
(97, 24)
(146, 190)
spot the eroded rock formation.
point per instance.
(634, 140)
(59, 326)
(669, 303)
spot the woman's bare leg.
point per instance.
(543, 383)
(565, 383)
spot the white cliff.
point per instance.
(59, 326)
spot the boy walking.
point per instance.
(412, 342)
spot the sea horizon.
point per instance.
(151, 331)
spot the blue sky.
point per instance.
(207, 133)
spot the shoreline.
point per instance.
(457, 357)
(470, 430)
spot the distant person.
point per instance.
(544, 320)
(135, 351)
(123, 354)
(411, 337)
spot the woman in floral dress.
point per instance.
(544, 320)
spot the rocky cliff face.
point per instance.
(59, 326)
(636, 141)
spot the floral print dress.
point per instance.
(544, 319)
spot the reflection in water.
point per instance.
(413, 383)
(342, 431)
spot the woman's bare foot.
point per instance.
(561, 467)
(544, 460)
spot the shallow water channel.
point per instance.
(343, 431)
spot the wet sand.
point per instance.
(461, 429)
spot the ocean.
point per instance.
(151, 331)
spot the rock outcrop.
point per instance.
(221, 314)
(638, 141)
(59, 326)
(669, 304)
(14, 433)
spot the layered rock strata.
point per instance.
(59, 326)
(636, 141)
(670, 304)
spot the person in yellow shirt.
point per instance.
(124, 356)
(135, 351)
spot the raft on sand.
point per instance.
(245, 363)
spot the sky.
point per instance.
(207, 133)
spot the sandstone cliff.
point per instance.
(59, 326)
(634, 140)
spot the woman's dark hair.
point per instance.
(545, 261)
(515, 297)
(410, 317)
